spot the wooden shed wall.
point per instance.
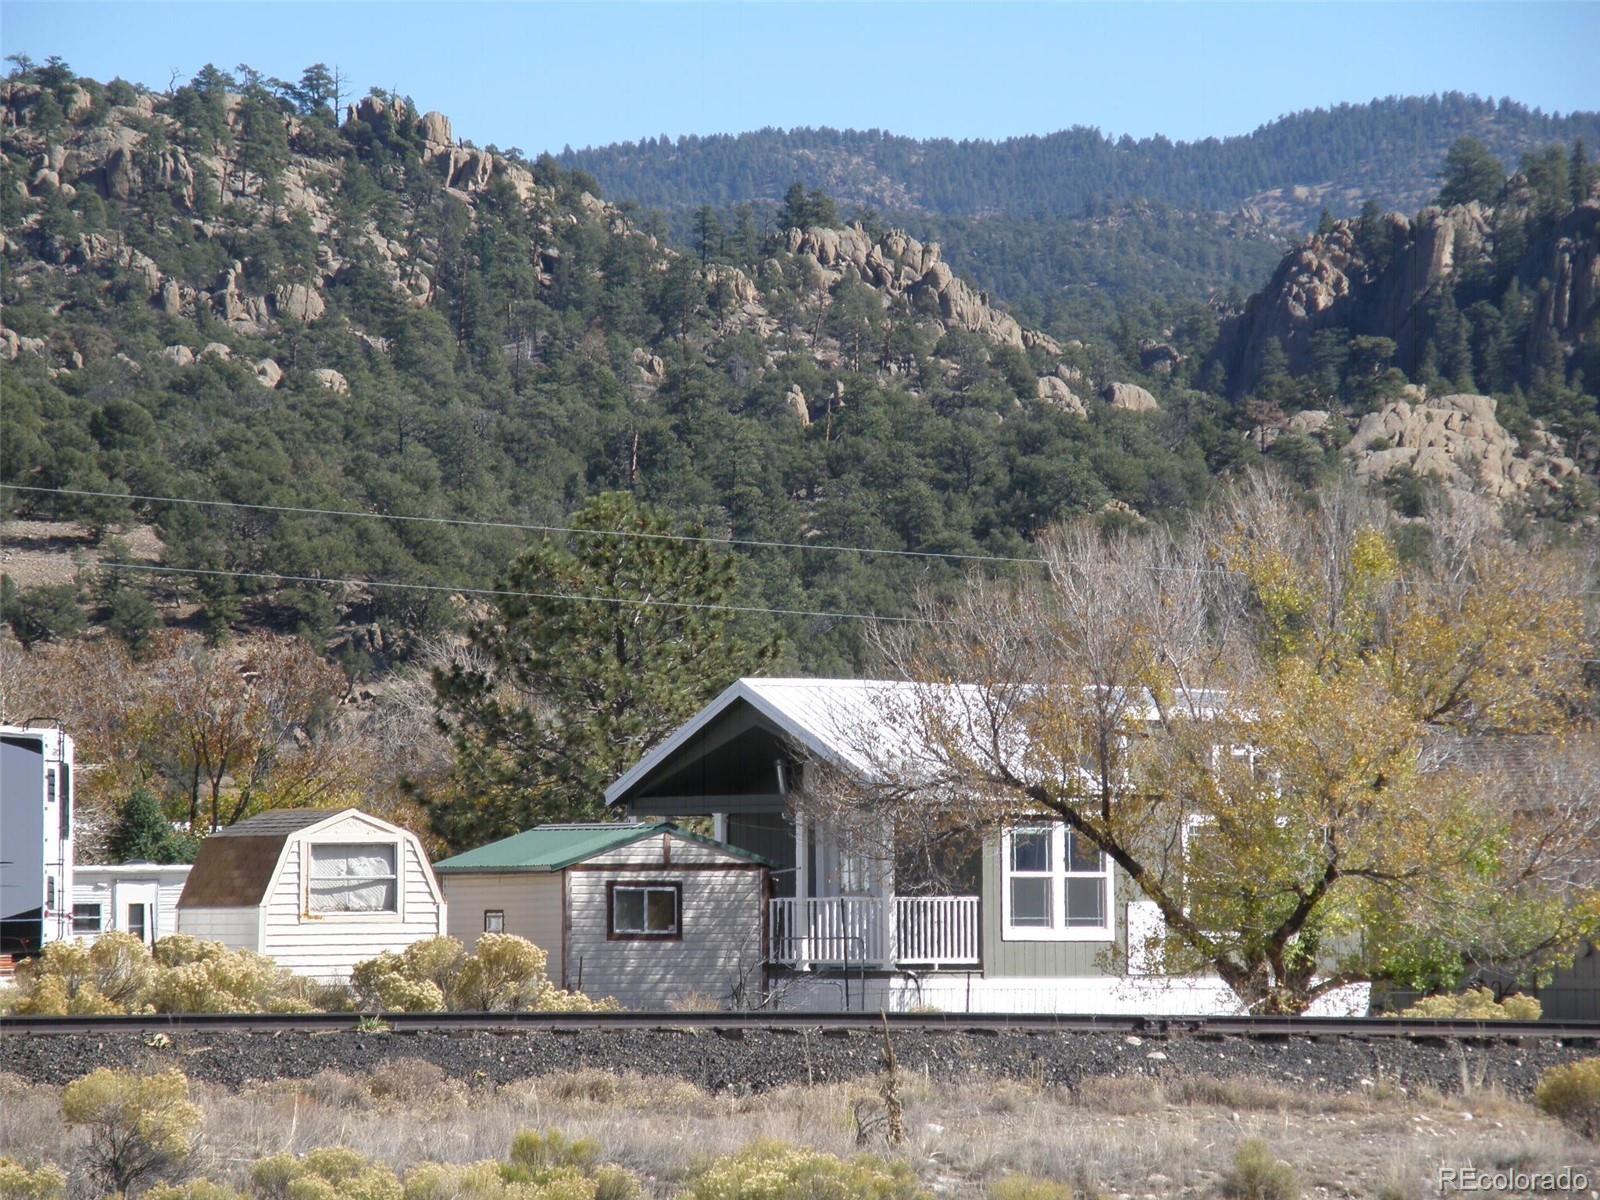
(530, 901)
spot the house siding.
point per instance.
(721, 943)
(93, 885)
(1573, 993)
(769, 834)
(236, 928)
(1054, 960)
(531, 902)
(327, 948)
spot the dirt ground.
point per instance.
(1128, 1137)
(35, 553)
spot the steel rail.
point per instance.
(737, 1023)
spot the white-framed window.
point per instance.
(87, 918)
(1054, 886)
(352, 877)
(494, 920)
(644, 910)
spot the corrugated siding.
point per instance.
(1043, 959)
(649, 850)
(532, 904)
(770, 835)
(328, 947)
(1573, 994)
(721, 922)
(233, 927)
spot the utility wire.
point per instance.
(562, 529)
(620, 601)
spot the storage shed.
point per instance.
(647, 914)
(319, 890)
(137, 898)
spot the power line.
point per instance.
(524, 527)
(620, 601)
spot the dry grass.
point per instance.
(1118, 1136)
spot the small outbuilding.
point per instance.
(647, 914)
(318, 890)
(137, 898)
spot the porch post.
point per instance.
(802, 890)
(888, 927)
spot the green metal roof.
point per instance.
(555, 847)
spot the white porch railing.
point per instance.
(872, 931)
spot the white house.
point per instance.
(645, 914)
(319, 890)
(136, 898)
(1032, 921)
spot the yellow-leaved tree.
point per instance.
(1322, 762)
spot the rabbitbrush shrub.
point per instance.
(505, 973)
(41, 1183)
(141, 1127)
(1571, 1094)
(1258, 1175)
(1476, 1004)
(1028, 1187)
(108, 975)
(778, 1171)
(332, 1173)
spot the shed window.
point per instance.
(644, 910)
(494, 920)
(352, 878)
(86, 918)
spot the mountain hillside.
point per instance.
(1390, 151)
(276, 314)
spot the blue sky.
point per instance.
(540, 76)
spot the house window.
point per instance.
(352, 878)
(644, 910)
(86, 918)
(494, 920)
(1055, 886)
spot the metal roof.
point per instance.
(555, 847)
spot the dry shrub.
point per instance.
(1028, 1187)
(412, 1081)
(1120, 1095)
(195, 1189)
(505, 973)
(334, 1089)
(778, 1171)
(108, 975)
(41, 1183)
(1571, 1094)
(1257, 1174)
(141, 1127)
(333, 1173)
(1476, 1004)
(592, 1087)
(1256, 1095)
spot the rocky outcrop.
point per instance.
(1129, 397)
(333, 381)
(268, 373)
(1057, 393)
(902, 267)
(1459, 441)
(795, 401)
(1374, 281)
(13, 345)
(436, 129)
(298, 302)
(181, 355)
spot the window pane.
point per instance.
(1030, 902)
(494, 920)
(136, 920)
(1030, 850)
(334, 861)
(1086, 902)
(662, 914)
(352, 895)
(1081, 855)
(85, 918)
(627, 910)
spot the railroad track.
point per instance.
(737, 1023)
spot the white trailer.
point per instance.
(35, 838)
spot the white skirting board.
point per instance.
(950, 991)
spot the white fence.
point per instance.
(872, 931)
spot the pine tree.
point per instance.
(1471, 173)
(576, 691)
(143, 833)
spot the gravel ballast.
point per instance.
(759, 1060)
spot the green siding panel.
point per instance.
(1050, 960)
